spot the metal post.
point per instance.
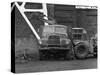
(45, 11)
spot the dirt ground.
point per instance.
(42, 66)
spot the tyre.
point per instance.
(69, 55)
(81, 51)
(41, 55)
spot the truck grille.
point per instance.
(54, 40)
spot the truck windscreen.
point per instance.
(48, 29)
(52, 29)
(60, 30)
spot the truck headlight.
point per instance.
(40, 42)
(67, 41)
(43, 42)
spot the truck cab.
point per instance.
(55, 42)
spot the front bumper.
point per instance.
(54, 48)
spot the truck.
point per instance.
(55, 42)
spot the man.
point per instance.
(49, 20)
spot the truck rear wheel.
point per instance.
(42, 55)
(69, 55)
(81, 51)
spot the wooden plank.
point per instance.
(64, 20)
(91, 19)
(29, 5)
(92, 12)
(67, 24)
(63, 14)
(50, 9)
(64, 7)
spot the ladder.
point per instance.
(22, 10)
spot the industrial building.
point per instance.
(70, 15)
